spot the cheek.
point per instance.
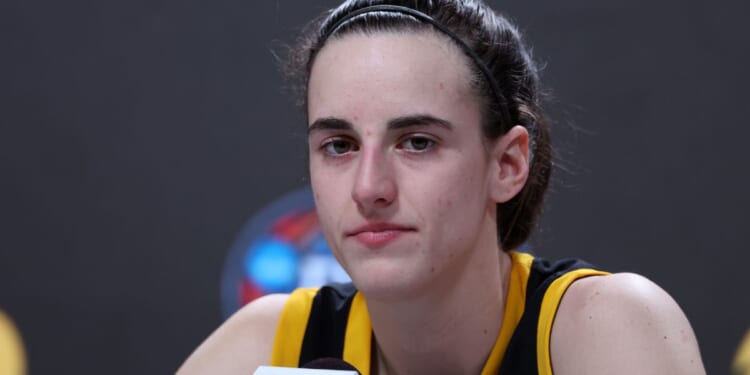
(322, 194)
(457, 189)
(445, 203)
(329, 195)
(458, 200)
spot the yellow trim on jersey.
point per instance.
(514, 306)
(552, 297)
(290, 331)
(358, 339)
(12, 356)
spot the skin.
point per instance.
(406, 187)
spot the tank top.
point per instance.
(332, 321)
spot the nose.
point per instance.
(374, 186)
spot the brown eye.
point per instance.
(338, 147)
(417, 144)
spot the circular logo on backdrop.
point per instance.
(279, 249)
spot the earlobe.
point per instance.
(510, 159)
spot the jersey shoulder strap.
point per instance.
(313, 325)
(528, 350)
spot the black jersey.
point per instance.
(332, 321)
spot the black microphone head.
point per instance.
(329, 363)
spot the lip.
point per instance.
(378, 234)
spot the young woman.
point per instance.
(429, 158)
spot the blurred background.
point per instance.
(139, 138)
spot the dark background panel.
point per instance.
(137, 137)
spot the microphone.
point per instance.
(320, 366)
(330, 363)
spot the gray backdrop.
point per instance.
(138, 136)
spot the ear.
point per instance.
(510, 164)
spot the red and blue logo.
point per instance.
(279, 249)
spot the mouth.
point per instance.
(378, 234)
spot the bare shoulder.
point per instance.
(622, 324)
(242, 343)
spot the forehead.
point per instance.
(389, 72)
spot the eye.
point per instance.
(417, 143)
(337, 147)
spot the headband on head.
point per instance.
(494, 86)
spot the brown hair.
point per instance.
(498, 46)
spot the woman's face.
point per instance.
(397, 160)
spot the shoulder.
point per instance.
(622, 322)
(242, 343)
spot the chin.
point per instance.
(387, 281)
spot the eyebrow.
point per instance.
(329, 123)
(333, 123)
(418, 120)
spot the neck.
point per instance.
(450, 328)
